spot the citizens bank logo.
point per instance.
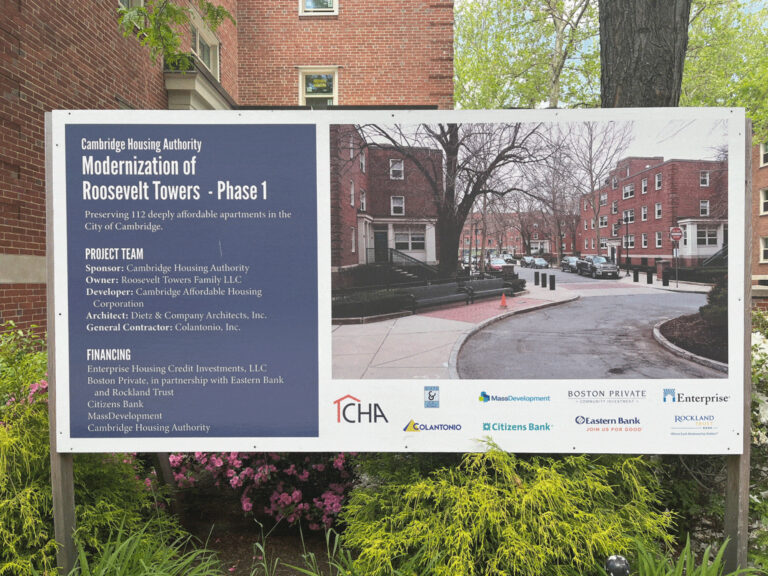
(669, 394)
(351, 410)
(414, 426)
(485, 397)
(507, 427)
(431, 396)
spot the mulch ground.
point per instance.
(694, 334)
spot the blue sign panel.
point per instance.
(192, 280)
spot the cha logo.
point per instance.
(351, 410)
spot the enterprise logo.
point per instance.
(671, 395)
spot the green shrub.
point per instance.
(497, 514)
(715, 311)
(653, 564)
(146, 553)
(109, 491)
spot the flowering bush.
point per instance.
(294, 487)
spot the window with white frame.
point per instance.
(685, 234)
(703, 207)
(586, 244)
(586, 227)
(409, 238)
(603, 222)
(603, 242)
(603, 198)
(204, 44)
(658, 210)
(628, 241)
(704, 178)
(354, 239)
(644, 240)
(615, 230)
(396, 169)
(130, 3)
(658, 239)
(318, 87)
(629, 191)
(592, 223)
(352, 192)
(614, 182)
(362, 161)
(397, 205)
(586, 205)
(764, 154)
(764, 249)
(644, 186)
(706, 235)
(593, 243)
(362, 200)
(615, 207)
(535, 235)
(658, 181)
(318, 7)
(644, 213)
(627, 173)
(764, 201)
(628, 216)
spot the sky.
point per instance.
(678, 139)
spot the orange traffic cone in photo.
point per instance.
(503, 300)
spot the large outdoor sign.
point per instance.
(193, 258)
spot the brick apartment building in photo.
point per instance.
(650, 195)
(56, 54)
(760, 225)
(380, 201)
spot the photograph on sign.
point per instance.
(560, 280)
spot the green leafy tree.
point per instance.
(728, 41)
(516, 53)
(160, 25)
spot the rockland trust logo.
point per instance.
(485, 398)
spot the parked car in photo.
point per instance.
(508, 258)
(496, 264)
(568, 264)
(539, 263)
(526, 261)
(597, 267)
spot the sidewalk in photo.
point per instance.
(420, 346)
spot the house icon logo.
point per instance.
(669, 393)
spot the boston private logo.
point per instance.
(352, 410)
(414, 426)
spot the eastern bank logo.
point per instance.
(672, 396)
(485, 397)
(586, 420)
(414, 426)
(352, 410)
(431, 396)
(519, 427)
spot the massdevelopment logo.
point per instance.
(431, 396)
(414, 426)
(485, 398)
(352, 410)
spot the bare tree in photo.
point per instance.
(594, 149)
(476, 160)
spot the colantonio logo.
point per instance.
(606, 421)
(414, 426)
(352, 410)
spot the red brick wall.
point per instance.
(55, 54)
(759, 222)
(343, 215)
(390, 52)
(414, 187)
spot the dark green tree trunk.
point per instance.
(642, 51)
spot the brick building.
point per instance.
(649, 196)
(517, 233)
(760, 224)
(71, 55)
(380, 201)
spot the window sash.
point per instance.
(658, 210)
(644, 186)
(644, 240)
(704, 178)
(628, 191)
(659, 239)
(704, 208)
(397, 205)
(764, 201)
(706, 236)
(396, 170)
(644, 213)
(658, 181)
